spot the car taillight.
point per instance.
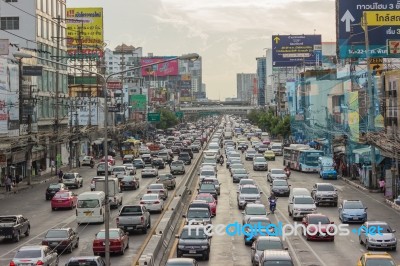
(40, 262)
(117, 220)
(45, 243)
(142, 220)
(142, 202)
(157, 202)
(148, 191)
(96, 243)
(12, 263)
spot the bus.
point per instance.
(302, 158)
(131, 146)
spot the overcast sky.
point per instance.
(228, 34)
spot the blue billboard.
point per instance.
(350, 33)
(296, 50)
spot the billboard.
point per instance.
(354, 116)
(138, 102)
(88, 21)
(91, 112)
(159, 70)
(9, 97)
(351, 35)
(296, 50)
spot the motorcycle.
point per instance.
(272, 205)
(91, 164)
(243, 151)
(287, 172)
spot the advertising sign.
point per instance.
(114, 85)
(296, 50)
(138, 102)
(350, 32)
(12, 102)
(4, 45)
(87, 21)
(9, 88)
(354, 116)
(159, 70)
(91, 113)
(185, 84)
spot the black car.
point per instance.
(185, 157)
(146, 158)
(176, 149)
(208, 188)
(188, 150)
(193, 241)
(53, 188)
(61, 239)
(158, 163)
(242, 146)
(128, 158)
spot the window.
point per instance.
(9, 23)
(39, 26)
(9, 1)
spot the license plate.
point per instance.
(88, 214)
(384, 245)
(355, 218)
(192, 251)
(54, 243)
(130, 228)
(59, 200)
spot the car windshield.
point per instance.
(278, 263)
(118, 169)
(262, 223)
(263, 147)
(57, 234)
(37, 253)
(239, 171)
(277, 172)
(177, 163)
(61, 195)
(207, 199)
(379, 262)
(268, 244)
(150, 197)
(53, 186)
(89, 203)
(137, 161)
(246, 182)
(353, 205)
(102, 234)
(164, 177)
(280, 183)
(207, 173)
(234, 155)
(207, 187)
(127, 178)
(193, 234)
(249, 190)
(384, 228)
(198, 214)
(259, 160)
(303, 200)
(156, 186)
(326, 188)
(251, 152)
(318, 219)
(69, 176)
(256, 211)
(82, 262)
(312, 158)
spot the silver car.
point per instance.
(264, 243)
(276, 174)
(377, 234)
(152, 202)
(30, 255)
(248, 194)
(254, 210)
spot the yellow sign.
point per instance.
(186, 77)
(379, 121)
(85, 27)
(383, 18)
(277, 39)
(376, 66)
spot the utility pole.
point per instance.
(56, 124)
(371, 113)
(122, 111)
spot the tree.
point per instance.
(268, 121)
(167, 119)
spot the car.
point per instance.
(85, 261)
(72, 180)
(280, 188)
(201, 204)
(177, 167)
(324, 193)
(238, 174)
(168, 180)
(86, 160)
(301, 205)
(276, 173)
(376, 258)
(120, 170)
(207, 173)
(198, 216)
(35, 255)
(149, 171)
(119, 241)
(235, 166)
(131, 168)
(138, 163)
(269, 155)
(212, 180)
(208, 188)
(249, 154)
(129, 182)
(53, 188)
(263, 226)
(64, 199)
(260, 164)
(246, 181)
(158, 163)
(152, 202)
(185, 157)
(61, 239)
(193, 241)
(211, 201)
(263, 148)
(317, 227)
(248, 194)
(276, 257)
(195, 148)
(263, 243)
(181, 262)
(352, 211)
(254, 210)
(242, 146)
(232, 160)
(93, 182)
(128, 158)
(209, 165)
(377, 235)
(111, 160)
(101, 169)
(188, 150)
(158, 189)
(146, 158)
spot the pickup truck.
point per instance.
(134, 217)
(13, 226)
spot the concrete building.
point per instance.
(245, 86)
(262, 78)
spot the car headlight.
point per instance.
(393, 239)
(256, 257)
(204, 246)
(314, 209)
(371, 239)
(181, 246)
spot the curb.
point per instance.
(392, 204)
(354, 184)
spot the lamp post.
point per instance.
(192, 56)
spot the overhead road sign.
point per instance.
(296, 50)
(381, 20)
(179, 114)
(153, 117)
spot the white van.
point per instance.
(298, 191)
(91, 207)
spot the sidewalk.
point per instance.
(356, 183)
(46, 176)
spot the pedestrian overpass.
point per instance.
(217, 109)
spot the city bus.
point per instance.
(301, 157)
(131, 146)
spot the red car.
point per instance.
(266, 141)
(64, 199)
(111, 160)
(210, 200)
(317, 227)
(119, 241)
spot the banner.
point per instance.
(170, 68)
(354, 116)
(89, 22)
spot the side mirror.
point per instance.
(285, 248)
(243, 212)
(253, 248)
(174, 176)
(365, 208)
(393, 231)
(332, 222)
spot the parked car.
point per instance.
(119, 241)
(168, 180)
(352, 211)
(34, 255)
(53, 188)
(61, 239)
(64, 199)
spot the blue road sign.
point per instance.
(296, 50)
(350, 33)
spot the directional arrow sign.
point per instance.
(347, 18)
(277, 39)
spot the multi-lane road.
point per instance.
(230, 250)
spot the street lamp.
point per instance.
(191, 56)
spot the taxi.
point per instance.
(269, 155)
(64, 199)
(376, 258)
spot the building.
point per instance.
(43, 100)
(262, 78)
(245, 86)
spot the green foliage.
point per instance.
(167, 119)
(268, 121)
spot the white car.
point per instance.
(206, 173)
(86, 160)
(248, 181)
(152, 202)
(131, 168)
(158, 188)
(300, 206)
(149, 171)
(120, 170)
(72, 180)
